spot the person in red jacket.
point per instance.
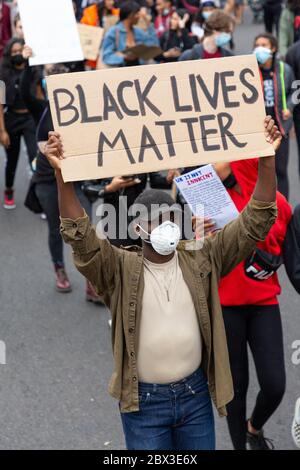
(164, 9)
(5, 26)
(249, 298)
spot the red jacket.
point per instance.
(162, 23)
(237, 288)
(5, 27)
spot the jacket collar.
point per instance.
(122, 28)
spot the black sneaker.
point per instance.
(258, 442)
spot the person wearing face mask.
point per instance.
(16, 122)
(277, 79)
(207, 7)
(121, 192)
(251, 311)
(177, 39)
(217, 36)
(164, 9)
(168, 334)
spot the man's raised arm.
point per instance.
(238, 239)
(93, 257)
(265, 189)
(69, 205)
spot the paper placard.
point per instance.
(50, 30)
(202, 188)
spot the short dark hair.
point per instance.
(154, 198)
(127, 8)
(269, 37)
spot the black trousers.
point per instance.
(260, 327)
(48, 198)
(18, 125)
(271, 17)
(281, 161)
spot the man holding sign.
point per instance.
(168, 334)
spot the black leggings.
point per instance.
(18, 125)
(260, 327)
(271, 17)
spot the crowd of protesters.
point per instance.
(181, 30)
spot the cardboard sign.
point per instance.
(90, 38)
(155, 117)
(50, 30)
(144, 52)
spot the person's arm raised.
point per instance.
(94, 256)
(238, 239)
(265, 189)
(69, 205)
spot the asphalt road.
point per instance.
(53, 388)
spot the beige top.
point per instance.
(170, 345)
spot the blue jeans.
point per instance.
(175, 416)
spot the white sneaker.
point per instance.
(296, 424)
(110, 323)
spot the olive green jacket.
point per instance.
(117, 275)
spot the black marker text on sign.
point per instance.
(149, 118)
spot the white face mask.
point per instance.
(164, 238)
